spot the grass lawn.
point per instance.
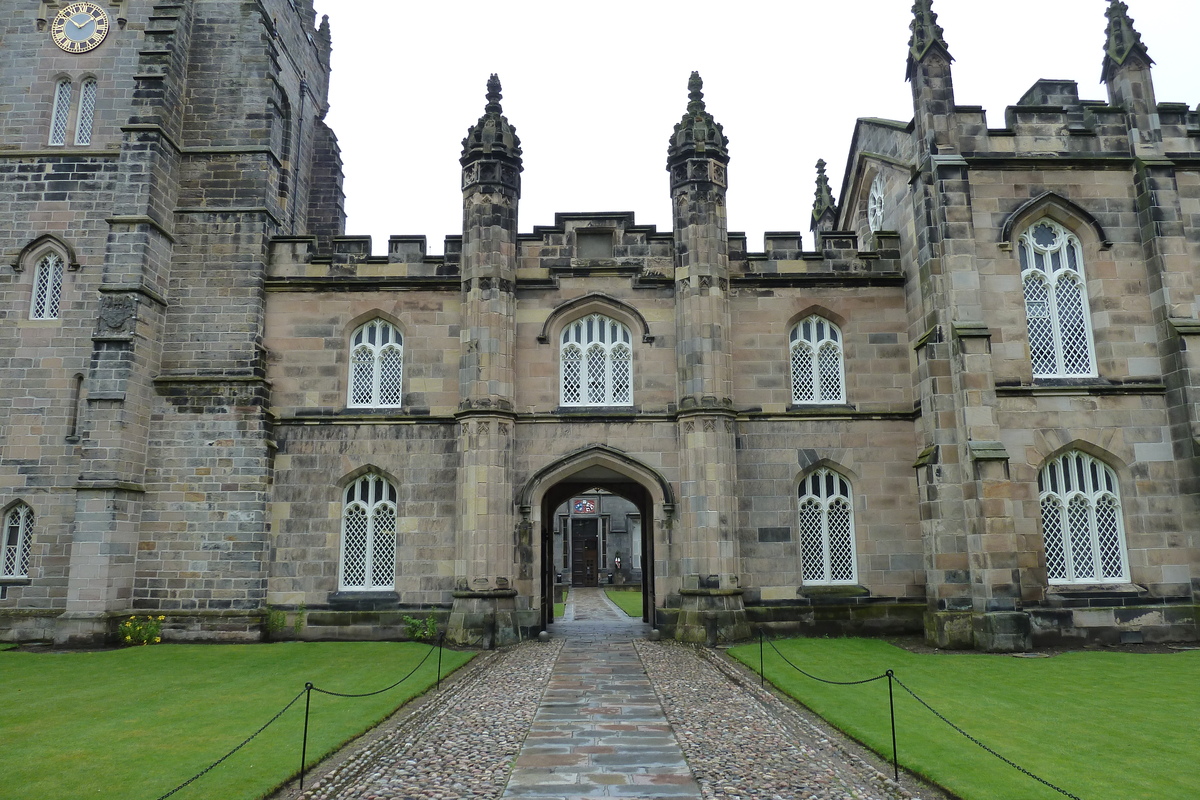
(1096, 724)
(135, 723)
(559, 610)
(630, 602)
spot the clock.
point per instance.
(79, 27)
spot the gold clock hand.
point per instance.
(80, 24)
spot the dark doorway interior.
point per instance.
(585, 545)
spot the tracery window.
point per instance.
(376, 366)
(1056, 304)
(87, 112)
(47, 287)
(368, 536)
(826, 529)
(61, 112)
(18, 541)
(596, 363)
(818, 369)
(1082, 525)
(875, 205)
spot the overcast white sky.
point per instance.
(594, 90)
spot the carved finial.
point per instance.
(697, 134)
(1123, 39)
(926, 34)
(823, 205)
(493, 95)
(824, 198)
(492, 134)
(695, 93)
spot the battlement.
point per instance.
(583, 245)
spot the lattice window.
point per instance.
(368, 536)
(596, 363)
(1081, 521)
(818, 366)
(18, 541)
(827, 552)
(61, 112)
(376, 366)
(1056, 305)
(87, 112)
(47, 287)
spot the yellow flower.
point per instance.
(129, 638)
(157, 639)
(161, 617)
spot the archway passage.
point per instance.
(580, 555)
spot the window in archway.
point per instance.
(827, 553)
(376, 366)
(1082, 525)
(818, 370)
(1056, 304)
(47, 287)
(18, 541)
(596, 363)
(368, 536)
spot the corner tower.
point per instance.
(486, 572)
(697, 157)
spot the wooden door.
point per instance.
(585, 552)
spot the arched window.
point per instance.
(47, 287)
(818, 371)
(1056, 305)
(875, 205)
(87, 112)
(826, 529)
(18, 540)
(61, 112)
(1082, 526)
(376, 366)
(368, 536)
(596, 361)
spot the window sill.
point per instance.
(607, 411)
(364, 600)
(820, 408)
(1078, 386)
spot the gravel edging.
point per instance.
(745, 743)
(459, 743)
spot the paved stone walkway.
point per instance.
(600, 731)
(600, 712)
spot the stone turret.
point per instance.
(711, 607)
(487, 576)
(929, 62)
(824, 210)
(1126, 73)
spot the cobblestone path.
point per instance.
(599, 711)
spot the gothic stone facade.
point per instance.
(968, 408)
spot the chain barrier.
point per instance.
(822, 680)
(306, 693)
(309, 688)
(890, 675)
(1011, 763)
(247, 741)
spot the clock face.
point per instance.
(79, 27)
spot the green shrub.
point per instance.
(421, 629)
(140, 631)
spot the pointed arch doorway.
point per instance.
(592, 474)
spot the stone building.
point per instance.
(968, 407)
